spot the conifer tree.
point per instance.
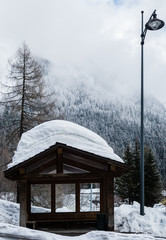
(124, 184)
(128, 186)
(153, 185)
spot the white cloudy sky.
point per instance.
(101, 37)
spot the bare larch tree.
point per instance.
(26, 101)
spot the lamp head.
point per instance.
(154, 23)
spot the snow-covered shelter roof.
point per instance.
(73, 135)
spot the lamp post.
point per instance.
(152, 24)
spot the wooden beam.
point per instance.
(93, 168)
(22, 171)
(59, 160)
(49, 169)
(65, 178)
(113, 168)
(46, 166)
(63, 216)
(73, 169)
(37, 166)
(86, 161)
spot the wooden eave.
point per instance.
(75, 157)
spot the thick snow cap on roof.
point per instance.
(49, 133)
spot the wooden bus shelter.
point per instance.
(65, 185)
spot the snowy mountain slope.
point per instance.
(81, 98)
(115, 118)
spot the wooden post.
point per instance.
(60, 160)
(53, 199)
(77, 185)
(103, 205)
(110, 202)
(23, 203)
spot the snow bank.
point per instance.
(9, 212)
(49, 133)
(18, 232)
(128, 219)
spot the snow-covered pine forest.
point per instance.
(81, 99)
(114, 117)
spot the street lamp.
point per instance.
(152, 24)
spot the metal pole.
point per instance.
(142, 125)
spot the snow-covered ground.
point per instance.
(93, 235)
(127, 219)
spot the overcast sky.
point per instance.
(100, 37)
